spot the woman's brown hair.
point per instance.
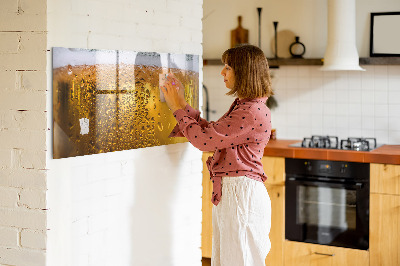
(250, 66)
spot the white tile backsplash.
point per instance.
(380, 71)
(381, 110)
(394, 96)
(342, 123)
(394, 83)
(381, 97)
(304, 82)
(304, 72)
(368, 110)
(394, 123)
(355, 96)
(367, 123)
(329, 109)
(291, 71)
(342, 109)
(381, 122)
(292, 82)
(382, 136)
(381, 84)
(367, 96)
(345, 103)
(394, 110)
(393, 71)
(394, 137)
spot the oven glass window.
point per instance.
(326, 207)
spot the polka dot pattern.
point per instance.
(238, 139)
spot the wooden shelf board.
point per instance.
(276, 62)
(380, 61)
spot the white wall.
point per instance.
(304, 18)
(23, 133)
(311, 102)
(345, 103)
(136, 207)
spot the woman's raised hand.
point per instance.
(174, 93)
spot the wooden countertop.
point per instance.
(389, 154)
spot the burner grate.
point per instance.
(327, 142)
(332, 142)
(358, 144)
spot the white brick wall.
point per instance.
(9, 237)
(136, 207)
(33, 239)
(101, 206)
(23, 132)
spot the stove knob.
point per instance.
(308, 166)
(343, 168)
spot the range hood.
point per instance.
(341, 51)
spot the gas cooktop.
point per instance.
(332, 142)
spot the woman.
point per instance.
(242, 208)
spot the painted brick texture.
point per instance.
(109, 209)
(23, 218)
(136, 207)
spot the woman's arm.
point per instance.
(193, 113)
(175, 99)
(239, 127)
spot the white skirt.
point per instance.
(241, 223)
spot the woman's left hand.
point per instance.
(174, 93)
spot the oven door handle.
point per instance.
(352, 185)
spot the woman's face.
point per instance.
(229, 76)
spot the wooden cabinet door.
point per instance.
(385, 178)
(274, 168)
(384, 236)
(277, 233)
(304, 254)
(206, 226)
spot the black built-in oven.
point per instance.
(327, 202)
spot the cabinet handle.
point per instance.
(324, 254)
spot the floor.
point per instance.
(206, 261)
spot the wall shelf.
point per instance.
(274, 63)
(380, 61)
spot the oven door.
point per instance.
(327, 213)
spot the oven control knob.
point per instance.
(343, 168)
(308, 166)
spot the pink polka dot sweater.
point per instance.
(238, 139)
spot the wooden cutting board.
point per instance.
(239, 35)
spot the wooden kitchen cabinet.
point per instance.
(384, 237)
(274, 168)
(277, 233)
(206, 225)
(385, 178)
(305, 254)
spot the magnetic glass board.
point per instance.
(110, 100)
